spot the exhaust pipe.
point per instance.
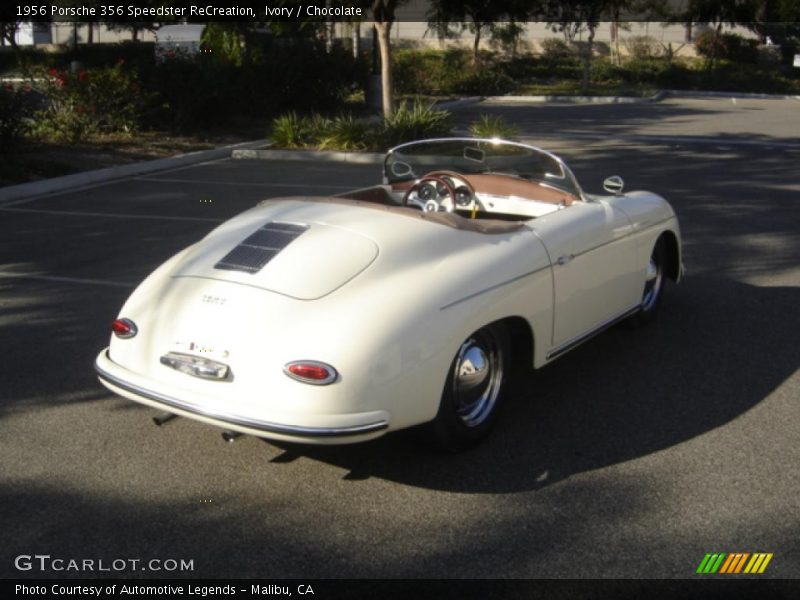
(230, 436)
(163, 418)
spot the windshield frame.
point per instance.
(572, 183)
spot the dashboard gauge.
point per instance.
(427, 191)
(442, 188)
(463, 196)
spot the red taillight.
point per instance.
(309, 371)
(124, 328)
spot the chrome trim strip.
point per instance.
(590, 334)
(494, 287)
(634, 230)
(242, 421)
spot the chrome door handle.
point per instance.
(562, 260)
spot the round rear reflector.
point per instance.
(124, 328)
(310, 371)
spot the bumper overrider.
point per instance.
(349, 428)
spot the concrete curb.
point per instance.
(77, 180)
(461, 102)
(371, 158)
(572, 99)
(697, 94)
(657, 97)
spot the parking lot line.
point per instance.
(247, 183)
(76, 213)
(96, 184)
(682, 140)
(13, 275)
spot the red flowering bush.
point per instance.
(106, 100)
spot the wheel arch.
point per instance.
(521, 338)
(672, 248)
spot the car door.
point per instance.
(595, 274)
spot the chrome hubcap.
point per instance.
(477, 378)
(652, 284)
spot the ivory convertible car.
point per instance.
(337, 319)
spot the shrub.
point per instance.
(488, 126)
(107, 100)
(555, 50)
(430, 71)
(132, 54)
(276, 78)
(290, 131)
(641, 47)
(16, 107)
(434, 72)
(66, 115)
(520, 67)
(729, 46)
(192, 93)
(645, 70)
(345, 132)
(348, 134)
(604, 70)
(744, 78)
(301, 76)
(486, 82)
(414, 121)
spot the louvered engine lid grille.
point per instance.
(260, 247)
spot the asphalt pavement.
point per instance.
(632, 456)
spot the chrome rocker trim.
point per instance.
(266, 427)
(590, 334)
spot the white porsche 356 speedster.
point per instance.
(337, 319)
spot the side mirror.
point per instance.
(614, 185)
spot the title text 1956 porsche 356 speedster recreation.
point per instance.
(337, 319)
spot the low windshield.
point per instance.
(472, 156)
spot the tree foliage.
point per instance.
(479, 17)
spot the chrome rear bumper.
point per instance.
(227, 420)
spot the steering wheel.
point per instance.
(427, 194)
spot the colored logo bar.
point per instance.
(734, 563)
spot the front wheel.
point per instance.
(473, 390)
(654, 283)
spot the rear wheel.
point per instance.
(474, 389)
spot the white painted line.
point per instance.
(84, 178)
(100, 184)
(357, 158)
(667, 139)
(75, 213)
(12, 275)
(245, 183)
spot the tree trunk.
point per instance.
(356, 39)
(714, 43)
(9, 30)
(384, 43)
(476, 60)
(587, 58)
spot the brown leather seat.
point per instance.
(503, 185)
